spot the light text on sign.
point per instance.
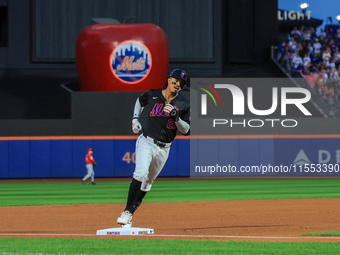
(293, 15)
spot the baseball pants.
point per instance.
(150, 160)
(90, 172)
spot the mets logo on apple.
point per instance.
(131, 61)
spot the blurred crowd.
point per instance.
(316, 58)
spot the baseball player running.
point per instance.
(90, 162)
(167, 111)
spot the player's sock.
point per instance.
(141, 194)
(133, 194)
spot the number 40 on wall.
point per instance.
(129, 157)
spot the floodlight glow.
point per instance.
(304, 6)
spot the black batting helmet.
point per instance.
(180, 74)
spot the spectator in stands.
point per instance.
(286, 59)
(297, 62)
(298, 71)
(307, 36)
(331, 64)
(335, 75)
(330, 84)
(322, 35)
(325, 93)
(293, 54)
(332, 45)
(320, 65)
(306, 62)
(317, 48)
(337, 90)
(292, 44)
(330, 33)
(281, 50)
(321, 79)
(310, 79)
(296, 34)
(320, 92)
(326, 56)
(330, 101)
(301, 49)
(337, 36)
(337, 57)
(327, 72)
(313, 34)
(310, 48)
(302, 34)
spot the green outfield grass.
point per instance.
(327, 233)
(48, 193)
(41, 246)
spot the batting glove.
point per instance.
(136, 126)
(167, 108)
(174, 114)
(171, 110)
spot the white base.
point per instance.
(125, 231)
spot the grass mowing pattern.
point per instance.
(57, 193)
(51, 193)
(328, 233)
(159, 246)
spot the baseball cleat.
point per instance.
(126, 226)
(125, 219)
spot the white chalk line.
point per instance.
(184, 236)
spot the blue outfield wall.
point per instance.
(63, 157)
(298, 155)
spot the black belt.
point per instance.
(158, 143)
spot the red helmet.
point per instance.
(89, 149)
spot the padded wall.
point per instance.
(65, 156)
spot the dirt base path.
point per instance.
(256, 220)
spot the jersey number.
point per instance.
(171, 124)
(128, 157)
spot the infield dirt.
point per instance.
(231, 220)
